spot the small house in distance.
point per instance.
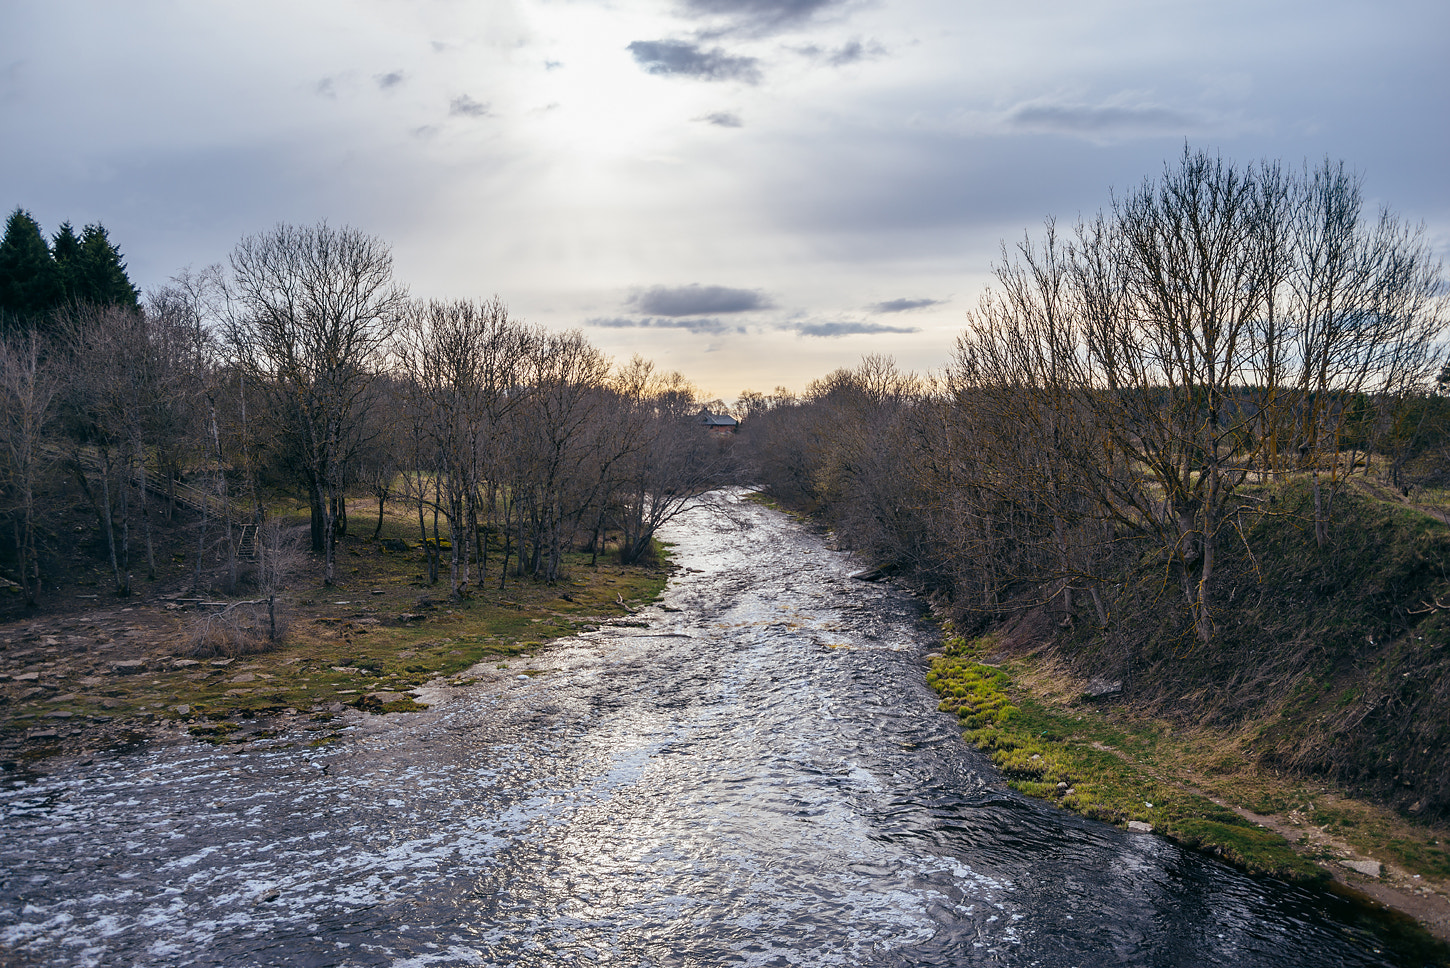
(719, 424)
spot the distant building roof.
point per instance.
(717, 419)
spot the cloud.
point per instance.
(327, 87)
(848, 328)
(467, 107)
(705, 324)
(849, 53)
(553, 65)
(903, 305)
(722, 119)
(1097, 120)
(697, 300)
(678, 57)
(758, 17)
(389, 80)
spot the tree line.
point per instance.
(38, 277)
(304, 367)
(1130, 388)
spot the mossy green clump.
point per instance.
(1073, 760)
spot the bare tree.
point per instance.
(28, 388)
(663, 461)
(312, 310)
(1150, 365)
(459, 362)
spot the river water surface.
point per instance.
(758, 776)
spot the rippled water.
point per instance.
(758, 778)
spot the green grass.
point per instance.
(380, 628)
(1076, 761)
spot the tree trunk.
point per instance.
(110, 528)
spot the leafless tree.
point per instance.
(312, 307)
(1156, 359)
(28, 388)
(459, 362)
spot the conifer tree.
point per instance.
(100, 272)
(30, 284)
(66, 250)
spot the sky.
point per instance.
(751, 192)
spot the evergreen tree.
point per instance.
(100, 272)
(66, 249)
(30, 283)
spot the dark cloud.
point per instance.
(389, 80)
(705, 324)
(466, 107)
(756, 16)
(903, 305)
(553, 65)
(1088, 119)
(723, 119)
(697, 300)
(848, 328)
(670, 57)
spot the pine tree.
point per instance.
(100, 272)
(30, 283)
(66, 250)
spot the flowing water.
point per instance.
(757, 776)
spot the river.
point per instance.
(753, 774)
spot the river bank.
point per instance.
(89, 673)
(1055, 741)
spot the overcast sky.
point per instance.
(753, 192)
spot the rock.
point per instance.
(183, 710)
(410, 617)
(129, 667)
(934, 655)
(243, 677)
(378, 591)
(1099, 687)
(184, 663)
(523, 677)
(1062, 786)
(221, 662)
(1369, 868)
(1139, 827)
(27, 677)
(60, 714)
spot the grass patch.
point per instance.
(1096, 768)
(379, 630)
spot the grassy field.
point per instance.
(94, 671)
